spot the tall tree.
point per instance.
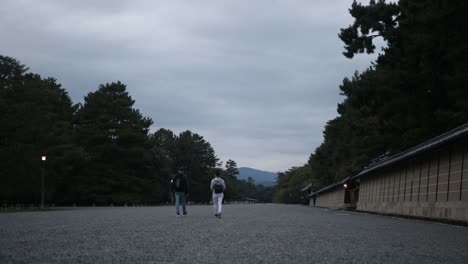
(421, 73)
(197, 158)
(414, 91)
(231, 169)
(163, 156)
(115, 138)
(36, 119)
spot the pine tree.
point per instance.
(36, 119)
(231, 169)
(197, 158)
(115, 138)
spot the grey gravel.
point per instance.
(254, 233)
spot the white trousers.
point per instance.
(218, 202)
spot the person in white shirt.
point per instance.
(217, 187)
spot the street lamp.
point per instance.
(43, 158)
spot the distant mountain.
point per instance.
(261, 177)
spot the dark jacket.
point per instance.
(179, 183)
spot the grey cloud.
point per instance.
(258, 79)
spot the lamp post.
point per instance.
(43, 172)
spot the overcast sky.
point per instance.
(257, 79)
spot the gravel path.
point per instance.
(260, 233)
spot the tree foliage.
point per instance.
(36, 119)
(99, 152)
(231, 169)
(114, 137)
(415, 90)
(290, 183)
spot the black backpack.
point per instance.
(218, 187)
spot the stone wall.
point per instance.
(333, 198)
(432, 185)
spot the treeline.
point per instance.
(99, 152)
(415, 90)
(238, 190)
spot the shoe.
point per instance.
(185, 214)
(216, 215)
(178, 215)
(219, 215)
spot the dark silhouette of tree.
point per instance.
(115, 138)
(231, 169)
(163, 143)
(197, 158)
(100, 152)
(414, 91)
(36, 119)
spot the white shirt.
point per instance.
(216, 180)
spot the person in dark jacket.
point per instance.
(180, 189)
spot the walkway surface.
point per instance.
(255, 233)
